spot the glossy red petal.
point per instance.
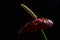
(38, 24)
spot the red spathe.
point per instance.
(38, 24)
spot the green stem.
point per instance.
(33, 16)
(44, 35)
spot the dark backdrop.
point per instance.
(42, 8)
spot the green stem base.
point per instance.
(44, 35)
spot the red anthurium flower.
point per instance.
(37, 24)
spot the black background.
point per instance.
(42, 8)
